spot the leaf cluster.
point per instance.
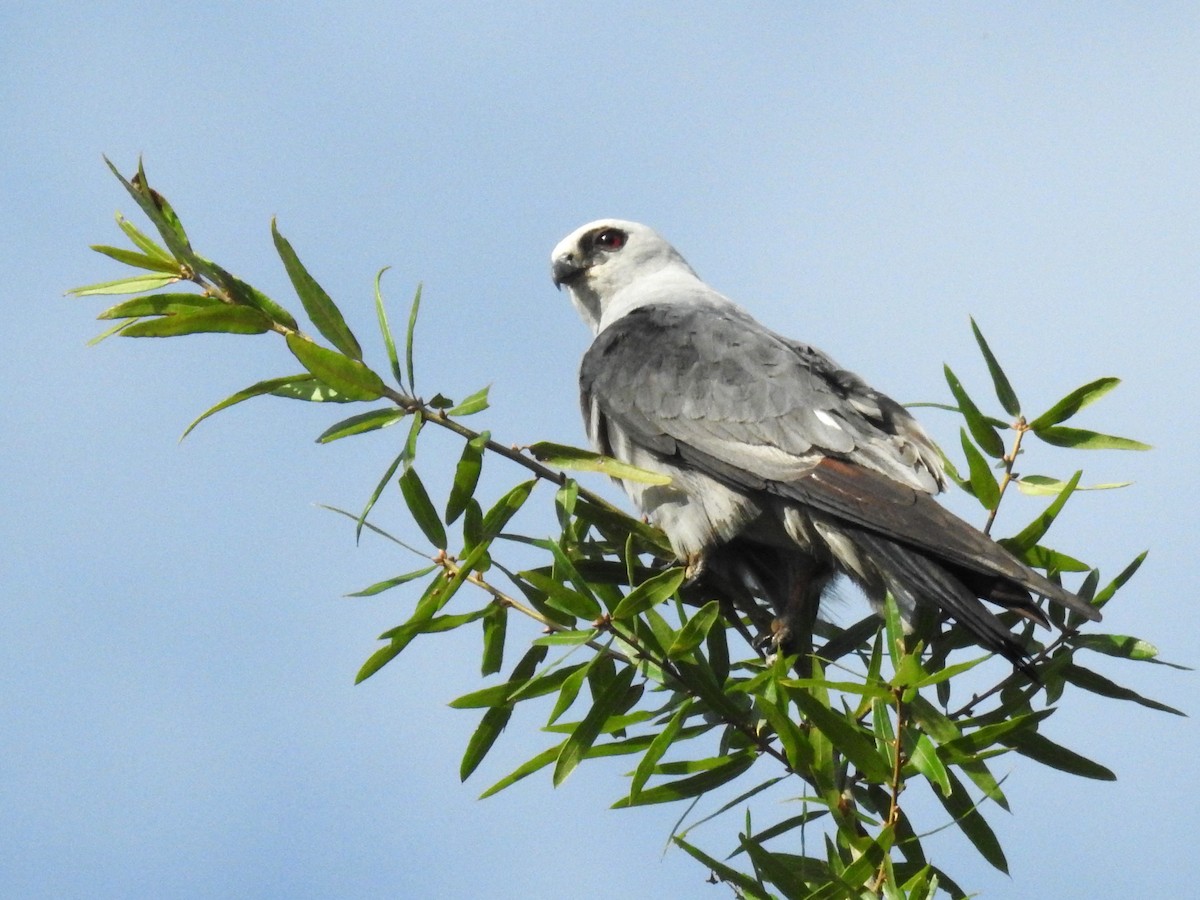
(628, 658)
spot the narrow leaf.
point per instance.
(506, 507)
(649, 593)
(408, 340)
(693, 785)
(421, 508)
(380, 586)
(1004, 392)
(376, 494)
(483, 738)
(139, 260)
(1074, 402)
(495, 628)
(221, 319)
(1048, 753)
(1036, 485)
(1117, 645)
(160, 305)
(1079, 439)
(657, 748)
(477, 402)
(346, 375)
(752, 889)
(135, 284)
(575, 459)
(1029, 536)
(388, 340)
(1098, 684)
(983, 481)
(143, 243)
(846, 736)
(983, 433)
(311, 390)
(540, 761)
(589, 728)
(466, 476)
(319, 305)
(562, 597)
(695, 630)
(255, 390)
(924, 759)
(972, 823)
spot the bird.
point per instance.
(785, 469)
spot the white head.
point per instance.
(601, 260)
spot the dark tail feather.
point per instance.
(923, 580)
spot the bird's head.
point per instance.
(601, 260)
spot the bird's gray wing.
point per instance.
(713, 389)
(713, 379)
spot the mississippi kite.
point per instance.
(786, 469)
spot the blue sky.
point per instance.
(178, 713)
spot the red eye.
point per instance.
(611, 239)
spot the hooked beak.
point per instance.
(566, 269)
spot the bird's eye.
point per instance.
(611, 239)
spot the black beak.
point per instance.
(565, 270)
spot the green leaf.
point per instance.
(846, 735)
(972, 823)
(1048, 753)
(506, 507)
(752, 889)
(343, 374)
(695, 630)
(1079, 439)
(985, 738)
(657, 748)
(1117, 645)
(466, 476)
(255, 390)
(376, 494)
(983, 433)
(421, 508)
(983, 481)
(540, 761)
(388, 340)
(562, 597)
(319, 305)
(497, 717)
(143, 243)
(575, 459)
(495, 628)
(1098, 684)
(135, 284)
(570, 688)
(160, 305)
(586, 732)
(139, 260)
(1117, 583)
(477, 402)
(157, 210)
(1004, 392)
(221, 319)
(380, 586)
(483, 738)
(924, 759)
(1074, 402)
(649, 593)
(408, 341)
(1029, 536)
(311, 390)
(248, 295)
(693, 785)
(363, 422)
(1038, 485)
